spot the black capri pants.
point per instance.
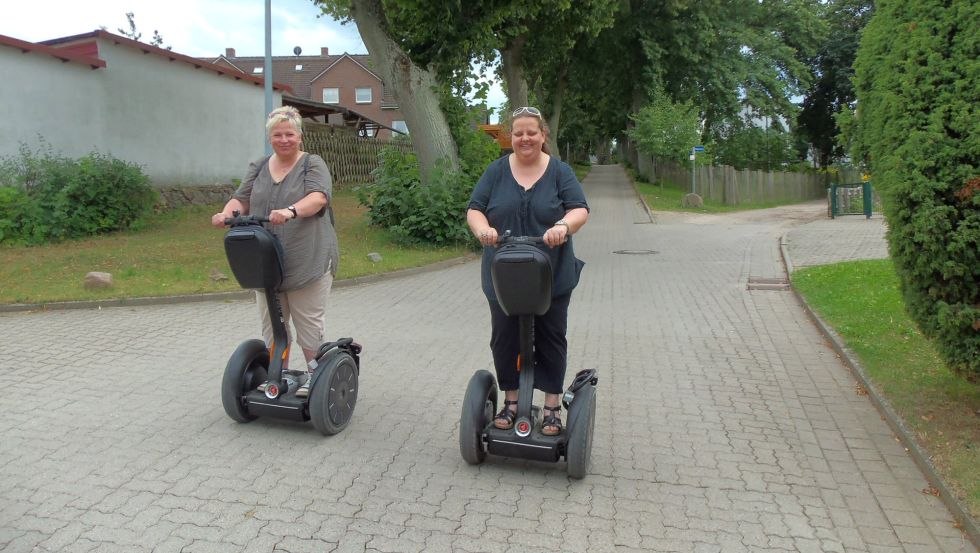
(550, 346)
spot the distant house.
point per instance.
(345, 82)
(185, 121)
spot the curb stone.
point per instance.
(234, 295)
(896, 422)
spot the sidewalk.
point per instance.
(828, 240)
(725, 423)
(856, 238)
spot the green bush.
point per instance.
(417, 213)
(917, 127)
(104, 195)
(64, 198)
(430, 213)
(18, 217)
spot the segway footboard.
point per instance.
(536, 446)
(286, 406)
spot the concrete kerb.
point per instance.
(234, 295)
(897, 424)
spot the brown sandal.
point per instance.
(505, 418)
(551, 425)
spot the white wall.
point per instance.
(42, 96)
(183, 125)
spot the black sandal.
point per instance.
(505, 418)
(551, 421)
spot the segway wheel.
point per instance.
(479, 406)
(581, 423)
(334, 393)
(246, 369)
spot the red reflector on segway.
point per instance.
(272, 391)
(523, 427)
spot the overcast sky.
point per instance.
(199, 28)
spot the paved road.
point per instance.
(725, 423)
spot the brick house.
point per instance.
(343, 86)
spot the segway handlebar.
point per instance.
(508, 238)
(237, 220)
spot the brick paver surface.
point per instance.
(830, 240)
(725, 423)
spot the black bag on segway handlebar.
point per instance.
(255, 256)
(521, 275)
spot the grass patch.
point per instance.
(668, 196)
(177, 252)
(862, 302)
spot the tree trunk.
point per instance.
(638, 100)
(414, 89)
(554, 121)
(512, 66)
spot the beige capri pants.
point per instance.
(306, 307)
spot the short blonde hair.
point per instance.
(285, 113)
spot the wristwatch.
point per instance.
(293, 209)
(563, 223)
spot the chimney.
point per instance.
(324, 51)
(229, 52)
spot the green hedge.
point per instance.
(46, 197)
(917, 127)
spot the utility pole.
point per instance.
(267, 71)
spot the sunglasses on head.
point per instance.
(526, 109)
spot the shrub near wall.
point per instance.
(918, 127)
(51, 197)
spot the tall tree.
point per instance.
(534, 41)
(416, 88)
(719, 54)
(833, 66)
(555, 39)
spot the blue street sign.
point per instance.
(699, 148)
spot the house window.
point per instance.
(299, 67)
(362, 95)
(331, 95)
(257, 70)
(400, 126)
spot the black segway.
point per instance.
(522, 279)
(255, 384)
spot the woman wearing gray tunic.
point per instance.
(292, 184)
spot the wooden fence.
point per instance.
(733, 187)
(351, 159)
